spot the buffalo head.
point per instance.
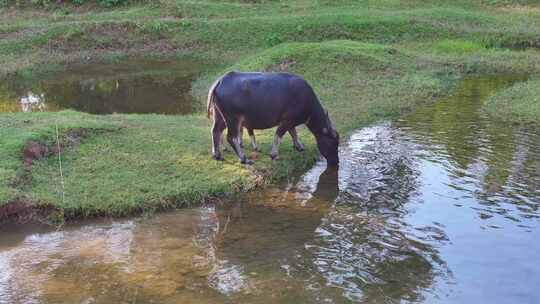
(328, 142)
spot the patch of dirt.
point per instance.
(523, 45)
(86, 7)
(16, 208)
(526, 9)
(23, 211)
(124, 37)
(282, 66)
(96, 36)
(17, 13)
(36, 150)
(20, 34)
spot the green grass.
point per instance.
(367, 60)
(519, 103)
(152, 161)
(458, 47)
(17, 129)
(226, 31)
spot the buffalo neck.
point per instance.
(317, 119)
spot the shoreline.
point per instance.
(364, 65)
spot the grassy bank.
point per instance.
(152, 161)
(366, 60)
(519, 103)
(227, 31)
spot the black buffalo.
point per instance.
(266, 100)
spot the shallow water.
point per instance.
(130, 86)
(440, 206)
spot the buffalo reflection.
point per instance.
(364, 246)
(338, 237)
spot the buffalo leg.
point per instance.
(241, 140)
(217, 130)
(281, 130)
(241, 136)
(253, 141)
(233, 137)
(296, 142)
(223, 143)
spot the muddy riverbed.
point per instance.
(439, 206)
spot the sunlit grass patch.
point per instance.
(458, 46)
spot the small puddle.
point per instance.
(440, 206)
(130, 86)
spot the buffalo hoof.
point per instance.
(247, 161)
(299, 148)
(274, 157)
(218, 157)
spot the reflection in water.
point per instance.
(225, 277)
(363, 245)
(33, 103)
(141, 86)
(493, 163)
(440, 206)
